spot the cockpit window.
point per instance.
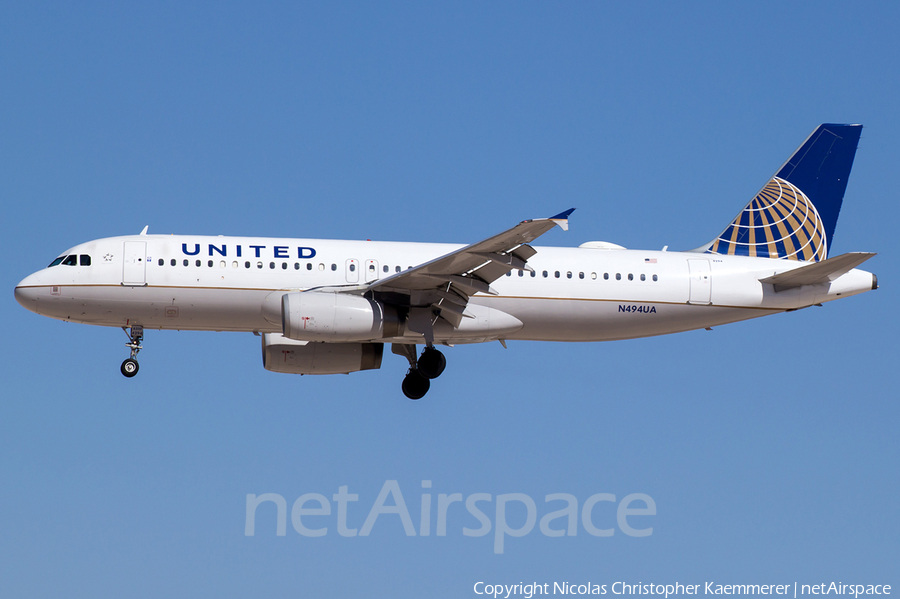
(84, 260)
(71, 260)
(57, 261)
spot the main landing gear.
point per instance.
(414, 385)
(130, 366)
(429, 366)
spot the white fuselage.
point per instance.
(574, 294)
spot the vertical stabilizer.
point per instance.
(794, 215)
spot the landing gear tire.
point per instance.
(130, 367)
(431, 363)
(415, 386)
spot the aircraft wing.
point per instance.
(446, 282)
(818, 272)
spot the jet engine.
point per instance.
(331, 317)
(281, 354)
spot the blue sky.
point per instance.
(769, 447)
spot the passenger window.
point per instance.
(186, 262)
(259, 265)
(86, 260)
(533, 273)
(630, 277)
(161, 262)
(618, 276)
(309, 266)
(654, 278)
(643, 277)
(321, 266)
(296, 266)
(209, 263)
(606, 276)
(71, 260)
(334, 267)
(284, 266)
(57, 262)
(385, 268)
(581, 275)
(569, 275)
(247, 264)
(173, 262)
(271, 265)
(371, 268)
(594, 276)
(221, 264)
(521, 273)
(197, 263)
(352, 267)
(396, 269)
(556, 274)
(546, 274)
(508, 273)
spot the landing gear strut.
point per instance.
(135, 336)
(429, 366)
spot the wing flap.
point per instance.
(818, 272)
(524, 252)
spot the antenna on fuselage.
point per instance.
(144, 230)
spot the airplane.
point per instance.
(329, 306)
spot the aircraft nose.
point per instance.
(27, 293)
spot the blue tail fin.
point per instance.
(794, 215)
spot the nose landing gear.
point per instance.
(429, 366)
(135, 336)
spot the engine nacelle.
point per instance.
(281, 354)
(320, 316)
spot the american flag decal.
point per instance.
(649, 260)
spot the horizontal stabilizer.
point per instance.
(819, 272)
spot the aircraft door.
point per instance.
(134, 264)
(352, 270)
(371, 270)
(701, 281)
